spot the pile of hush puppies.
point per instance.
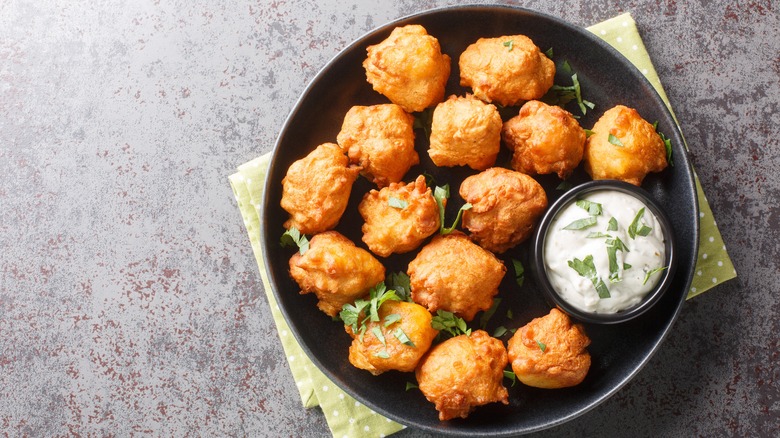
(456, 272)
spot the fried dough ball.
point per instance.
(507, 69)
(465, 131)
(408, 68)
(545, 139)
(371, 354)
(337, 271)
(402, 226)
(642, 149)
(549, 352)
(316, 189)
(454, 274)
(379, 138)
(505, 207)
(462, 373)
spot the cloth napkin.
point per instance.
(346, 417)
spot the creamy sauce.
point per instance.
(644, 253)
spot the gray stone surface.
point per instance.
(130, 303)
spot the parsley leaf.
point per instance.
(519, 272)
(667, 144)
(637, 228)
(581, 224)
(510, 44)
(593, 208)
(564, 185)
(612, 225)
(423, 120)
(542, 346)
(653, 271)
(511, 376)
(356, 315)
(402, 337)
(293, 237)
(397, 203)
(549, 53)
(500, 331)
(446, 322)
(586, 268)
(464, 207)
(613, 246)
(410, 385)
(614, 140)
(400, 283)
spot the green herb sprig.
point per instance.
(447, 323)
(293, 237)
(586, 268)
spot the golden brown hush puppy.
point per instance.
(549, 352)
(505, 207)
(545, 139)
(335, 270)
(399, 217)
(408, 68)
(402, 344)
(506, 70)
(316, 189)
(462, 373)
(454, 274)
(624, 146)
(465, 132)
(380, 139)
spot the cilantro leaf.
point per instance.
(519, 272)
(637, 228)
(447, 323)
(487, 314)
(581, 224)
(400, 283)
(293, 237)
(593, 208)
(397, 203)
(614, 140)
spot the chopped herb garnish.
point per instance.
(464, 207)
(614, 140)
(397, 203)
(586, 268)
(511, 376)
(356, 315)
(293, 237)
(519, 272)
(612, 225)
(500, 331)
(588, 133)
(430, 181)
(566, 68)
(593, 208)
(613, 246)
(564, 185)
(549, 53)
(400, 283)
(487, 314)
(581, 224)
(510, 44)
(667, 144)
(383, 354)
(651, 272)
(626, 266)
(447, 322)
(542, 346)
(379, 335)
(441, 194)
(423, 120)
(597, 235)
(410, 385)
(402, 338)
(637, 228)
(392, 319)
(509, 314)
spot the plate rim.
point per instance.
(691, 183)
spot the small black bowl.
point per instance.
(540, 271)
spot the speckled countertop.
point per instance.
(130, 302)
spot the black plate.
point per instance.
(618, 352)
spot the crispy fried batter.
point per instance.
(336, 270)
(408, 68)
(642, 149)
(379, 138)
(505, 207)
(389, 229)
(545, 139)
(370, 353)
(550, 352)
(506, 70)
(465, 132)
(454, 274)
(316, 189)
(462, 373)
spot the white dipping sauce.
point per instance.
(645, 253)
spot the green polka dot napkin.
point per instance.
(346, 417)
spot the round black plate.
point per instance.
(618, 351)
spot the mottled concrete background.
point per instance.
(130, 303)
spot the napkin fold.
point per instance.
(347, 417)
